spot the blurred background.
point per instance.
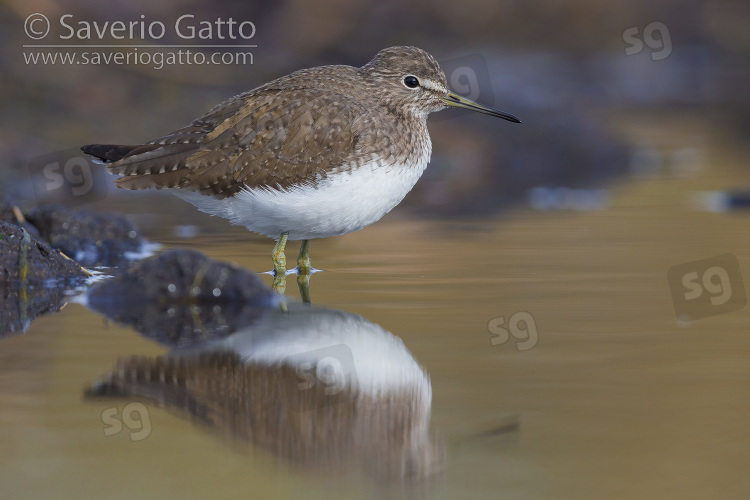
(627, 176)
(575, 72)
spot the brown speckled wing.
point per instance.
(156, 164)
(263, 138)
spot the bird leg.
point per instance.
(279, 259)
(303, 271)
(279, 265)
(303, 284)
(303, 258)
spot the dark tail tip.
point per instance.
(114, 152)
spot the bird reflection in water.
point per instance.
(320, 388)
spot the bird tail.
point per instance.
(115, 152)
(143, 166)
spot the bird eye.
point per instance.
(411, 82)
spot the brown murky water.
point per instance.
(615, 398)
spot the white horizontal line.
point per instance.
(139, 46)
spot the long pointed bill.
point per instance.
(456, 101)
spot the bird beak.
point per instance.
(456, 101)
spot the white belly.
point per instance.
(339, 204)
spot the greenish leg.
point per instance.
(279, 284)
(303, 283)
(279, 259)
(279, 265)
(303, 258)
(303, 271)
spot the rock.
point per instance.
(91, 238)
(33, 278)
(28, 259)
(181, 297)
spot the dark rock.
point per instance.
(34, 278)
(91, 238)
(181, 297)
(27, 259)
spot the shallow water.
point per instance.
(613, 396)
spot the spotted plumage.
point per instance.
(319, 152)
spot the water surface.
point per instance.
(616, 399)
